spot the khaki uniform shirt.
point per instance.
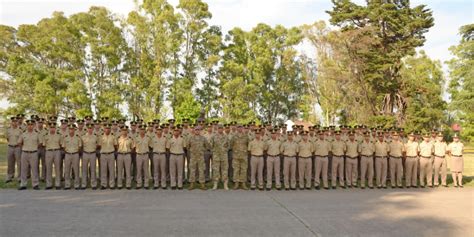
(256, 147)
(426, 149)
(158, 144)
(396, 148)
(289, 148)
(273, 147)
(456, 148)
(142, 144)
(71, 144)
(352, 149)
(176, 145)
(411, 148)
(52, 141)
(322, 148)
(338, 148)
(305, 148)
(30, 141)
(381, 149)
(89, 142)
(13, 134)
(366, 148)
(125, 144)
(107, 143)
(440, 148)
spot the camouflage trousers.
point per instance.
(197, 164)
(240, 165)
(220, 167)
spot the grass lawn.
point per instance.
(468, 169)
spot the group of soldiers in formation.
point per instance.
(170, 154)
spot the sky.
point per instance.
(449, 15)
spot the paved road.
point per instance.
(428, 212)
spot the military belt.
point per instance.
(456, 155)
(92, 152)
(71, 153)
(426, 157)
(124, 153)
(144, 153)
(355, 157)
(412, 156)
(159, 153)
(57, 149)
(380, 157)
(439, 156)
(29, 151)
(257, 156)
(177, 154)
(12, 145)
(304, 157)
(396, 157)
(106, 153)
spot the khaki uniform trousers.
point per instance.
(107, 164)
(351, 171)
(321, 167)
(256, 166)
(440, 166)
(381, 171)
(13, 157)
(29, 161)
(337, 169)
(304, 172)
(289, 172)
(124, 161)
(159, 169)
(176, 170)
(367, 171)
(143, 170)
(411, 171)
(71, 164)
(89, 160)
(426, 171)
(396, 171)
(53, 157)
(273, 167)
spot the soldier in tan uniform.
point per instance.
(30, 141)
(41, 150)
(289, 149)
(322, 147)
(256, 150)
(158, 145)
(426, 167)
(440, 163)
(52, 143)
(338, 149)
(272, 147)
(14, 150)
(239, 144)
(411, 161)
(352, 155)
(381, 154)
(455, 151)
(397, 149)
(72, 144)
(124, 159)
(176, 146)
(305, 153)
(366, 150)
(142, 144)
(89, 158)
(107, 143)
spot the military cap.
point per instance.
(64, 120)
(401, 129)
(107, 125)
(133, 123)
(215, 122)
(373, 129)
(332, 127)
(337, 132)
(166, 125)
(178, 126)
(114, 121)
(71, 126)
(13, 118)
(245, 125)
(142, 126)
(104, 119)
(386, 130)
(455, 135)
(311, 128)
(209, 124)
(162, 126)
(226, 125)
(20, 115)
(220, 126)
(156, 121)
(80, 121)
(233, 123)
(53, 117)
(96, 121)
(201, 121)
(434, 130)
(139, 121)
(440, 134)
(351, 133)
(150, 123)
(363, 126)
(317, 126)
(426, 134)
(40, 120)
(289, 132)
(304, 133)
(294, 126)
(274, 130)
(159, 128)
(186, 120)
(52, 124)
(87, 117)
(124, 128)
(89, 125)
(394, 133)
(366, 133)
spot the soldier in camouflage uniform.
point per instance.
(239, 144)
(220, 165)
(197, 145)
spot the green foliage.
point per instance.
(461, 85)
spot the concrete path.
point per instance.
(421, 212)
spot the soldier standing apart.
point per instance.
(124, 159)
(14, 150)
(273, 160)
(381, 152)
(239, 144)
(440, 164)
(72, 144)
(107, 143)
(396, 148)
(197, 145)
(52, 144)
(220, 165)
(305, 153)
(366, 150)
(426, 168)
(411, 162)
(351, 160)
(158, 144)
(89, 158)
(321, 153)
(289, 149)
(256, 149)
(338, 148)
(455, 150)
(176, 145)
